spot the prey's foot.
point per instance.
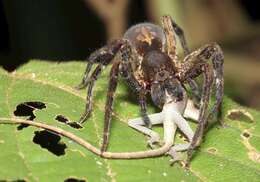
(174, 153)
(175, 156)
(153, 140)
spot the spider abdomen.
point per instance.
(145, 37)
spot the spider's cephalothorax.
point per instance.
(146, 59)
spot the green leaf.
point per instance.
(227, 154)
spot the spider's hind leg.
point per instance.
(196, 63)
(203, 120)
(85, 80)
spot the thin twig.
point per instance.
(110, 155)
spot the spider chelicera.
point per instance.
(146, 59)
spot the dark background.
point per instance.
(64, 30)
(57, 30)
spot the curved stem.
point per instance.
(110, 155)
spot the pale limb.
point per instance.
(139, 125)
(191, 111)
(182, 124)
(187, 131)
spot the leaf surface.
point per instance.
(227, 154)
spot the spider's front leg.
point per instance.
(124, 68)
(128, 56)
(195, 64)
(170, 27)
(109, 103)
(102, 57)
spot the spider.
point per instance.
(147, 60)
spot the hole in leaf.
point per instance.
(66, 121)
(246, 134)
(74, 180)
(240, 115)
(62, 119)
(75, 125)
(27, 109)
(212, 150)
(50, 141)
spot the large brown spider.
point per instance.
(147, 60)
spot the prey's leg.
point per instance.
(183, 125)
(139, 125)
(174, 152)
(192, 113)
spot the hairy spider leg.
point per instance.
(195, 64)
(178, 31)
(143, 107)
(102, 57)
(109, 103)
(126, 72)
(192, 83)
(208, 78)
(218, 61)
(89, 104)
(127, 56)
(169, 26)
(170, 40)
(85, 79)
(200, 57)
